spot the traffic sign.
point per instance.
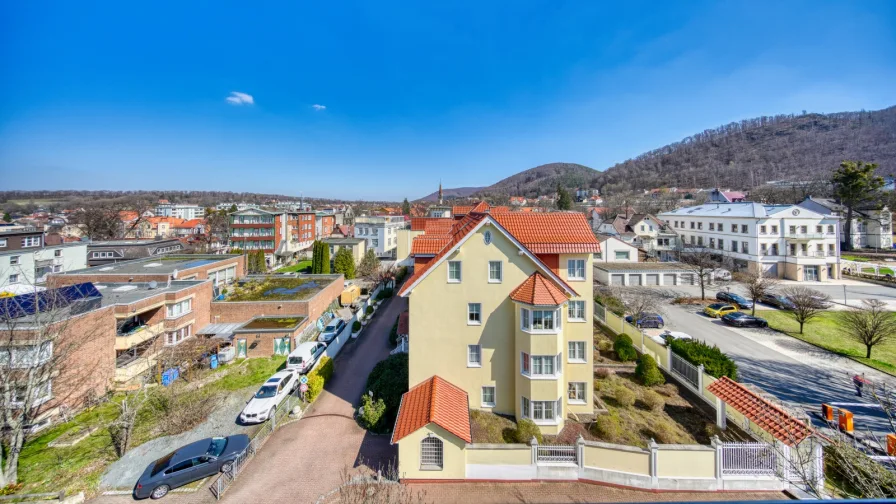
(303, 388)
(303, 380)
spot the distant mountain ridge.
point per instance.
(458, 192)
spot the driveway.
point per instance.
(305, 460)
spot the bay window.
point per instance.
(180, 308)
(540, 411)
(544, 366)
(541, 320)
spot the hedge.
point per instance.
(715, 363)
(372, 414)
(393, 333)
(525, 430)
(318, 378)
(388, 381)
(624, 348)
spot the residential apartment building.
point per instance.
(357, 246)
(254, 229)
(500, 320)
(100, 253)
(324, 224)
(871, 227)
(381, 233)
(643, 231)
(786, 241)
(186, 211)
(25, 260)
(612, 249)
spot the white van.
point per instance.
(303, 358)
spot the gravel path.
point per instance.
(123, 473)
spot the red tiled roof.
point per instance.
(438, 227)
(481, 207)
(426, 245)
(189, 223)
(458, 232)
(551, 233)
(404, 322)
(500, 209)
(767, 415)
(538, 291)
(461, 210)
(433, 401)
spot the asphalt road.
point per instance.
(852, 290)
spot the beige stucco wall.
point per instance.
(405, 237)
(453, 459)
(793, 271)
(635, 462)
(691, 462)
(500, 455)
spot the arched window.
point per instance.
(431, 453)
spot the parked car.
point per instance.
(740, 319)
(305, 356)
(645, 320)
(671, 335)
(718, 310)
(332, 330)
(263, 404)
(188, 464)
(721, 274)
(777, 300)
(736, 299)
(823, 301)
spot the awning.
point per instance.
(219, 331)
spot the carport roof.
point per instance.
(767, 415)
(640, 267)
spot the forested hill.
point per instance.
(754, 151)
(542, 180)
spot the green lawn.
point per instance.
(296, 268)
(883, 271)
(79, 467)
(854, 258)
(825, 331)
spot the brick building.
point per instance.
(221, 269)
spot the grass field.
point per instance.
(826, 332)
(296, 268)
(883, 271)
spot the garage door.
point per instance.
(634, 279)
(771, 270)
(669, 279)
(617, 280)
(653, 279)
(687, 279)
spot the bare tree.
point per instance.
(217, 225)
(641, 300)
(103, 220)
(704, 263)
(48, 359)
(869, 324)
(362, 486)
(807, 303)
(121, 429)
(757, 284)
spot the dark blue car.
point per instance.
(730, 297)
(188, 464)
(646, 320)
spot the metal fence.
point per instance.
(554, 454)
(280, 418)
(686, 370)
(600, 312)
(752, 459)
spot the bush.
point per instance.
(315, 386)
(624, 396)
(715, 362)
(605, 345)
(372, 413)
(388, 381)
(393, 334)
(601, 373)
(648, 372)
(712, 430)
(663, 432)
(325, 368)
(608, 427)
(653, 400)
(368, 311)
(356, 326)
(624, 349)
(525, 431)
(384, 294)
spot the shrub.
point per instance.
(315, 386)
(653, 400)
(624, 396)
(393, 334)
(384, 294)
(372, 413)
(526, 430)
(356, 326)
(715, 362)
(601, 373)
(325, 368)
(608, 427)
(648, 372)
(663, 432)
(388, 381)
(369, 311)
(605, 345)
(712, 430)
(624, 349)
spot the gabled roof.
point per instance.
(433, 401)
(538, 291)
(434, 227)
(770, 417)
(425, 245)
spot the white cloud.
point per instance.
(237, 98)
(318, 106)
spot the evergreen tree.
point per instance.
(232, 209)
(7, 217)
(344, 262)
(370, 264)
(315, 258)
(855, 185)
(324, 258)
(406, 207)
(564, 201)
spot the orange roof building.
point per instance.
(434, 401)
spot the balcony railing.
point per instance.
(806, 236)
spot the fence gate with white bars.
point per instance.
(556, 454)
(748, 459)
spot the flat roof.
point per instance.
(165, 265)
(277, 288)
(344, 241)
(119, 243)
(639, 266)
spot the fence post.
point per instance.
(668, 358)
(721, 414)
(718, 446)
(700, 369)
(580, 451)
(654, 473)
(534, 444)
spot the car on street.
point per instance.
(777, 300)
(736, 299)
(741, 319)
(646, 320)
(719, 310)
(263, 405)
(333, 329)
(671, 335)
(190, 463)
(305, 356)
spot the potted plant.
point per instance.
(356, 328)
(369, 312)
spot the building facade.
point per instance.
(785, 241)
(381, 233)
(185, 211)
(101, 253)
(871, 227)
(23, 269)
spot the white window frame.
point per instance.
(576, 315)
(582, 392)
(13, 278)
(2, 242)
(572, 270)
(474, 363)
(544, 417)
(31, 241)
(622, 254)
(179, 308)
(48, 386)
(487, 404)
(525, 406)
(14, 260)
(460, 272)
(500, 272)
(574, 348)
(477, 311)
(431, 454)
(541, 362)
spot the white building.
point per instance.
(871, 228)
(186, 211)
(381, 233)
(614, 250)
(787, 241)
(22, 270)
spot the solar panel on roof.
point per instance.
(28, 304)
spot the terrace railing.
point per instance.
(748, 459)
(556, 454)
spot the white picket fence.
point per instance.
(749, 459)
(556, 454)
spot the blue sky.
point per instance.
(139, 95)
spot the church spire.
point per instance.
(440, 191)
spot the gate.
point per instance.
(556, 454)
(750, 459)
(686, 370)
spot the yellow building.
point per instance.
(503, 313)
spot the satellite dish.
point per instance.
(153, 284)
